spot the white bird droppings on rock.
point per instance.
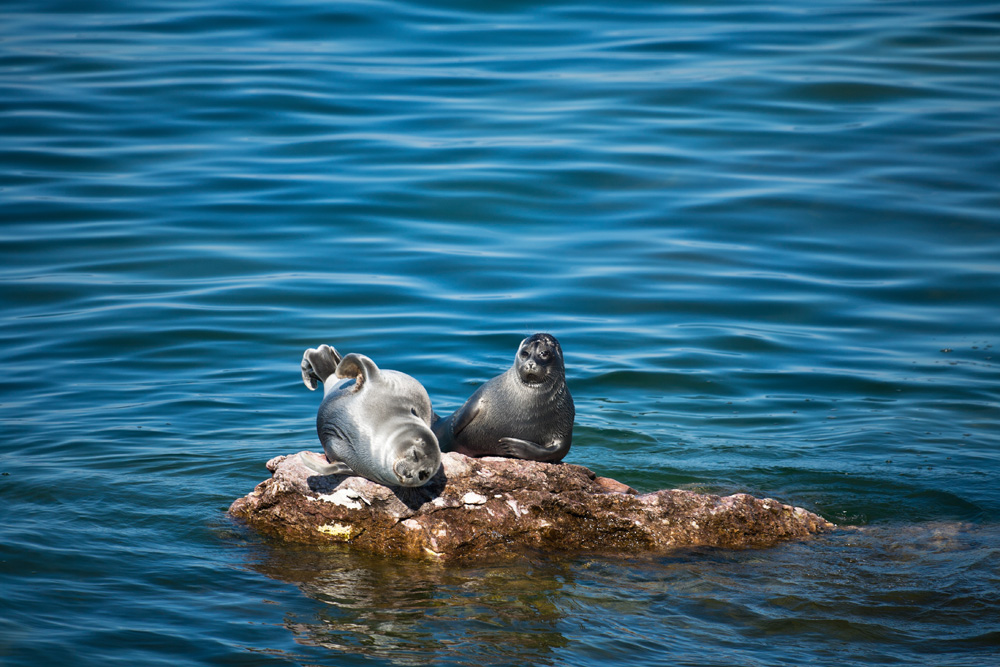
(346, 497)
(473, 498)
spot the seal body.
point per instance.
(372, 422)
(526, 412)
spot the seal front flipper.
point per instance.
(461, 419)
(324, 466)
(533, 451)
(318, 364)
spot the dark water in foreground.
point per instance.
(768, 238)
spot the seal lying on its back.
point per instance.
(373, 423)
(524, 413)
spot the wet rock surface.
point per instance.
(494, 508)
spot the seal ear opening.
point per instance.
(359, 367)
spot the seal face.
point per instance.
(372, 422)
(526, 412)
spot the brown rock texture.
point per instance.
(495, 508)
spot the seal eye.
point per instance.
(544, 355)
(523, 353)
(413, 411)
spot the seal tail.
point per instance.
(318, 364)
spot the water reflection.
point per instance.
(845, 593)
(415, 613)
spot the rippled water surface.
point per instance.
(767, 236)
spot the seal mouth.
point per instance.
(532, 373)
(532, 377)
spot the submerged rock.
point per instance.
(497, 508)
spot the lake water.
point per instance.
(767, 237)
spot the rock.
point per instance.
(498, 508)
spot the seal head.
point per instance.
(526, 412)
(372, 422)
(539, 359)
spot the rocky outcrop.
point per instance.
(492, 508)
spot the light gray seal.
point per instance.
(524, 413)
(372, 422)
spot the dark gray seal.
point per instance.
(372, 422)
(524, 413)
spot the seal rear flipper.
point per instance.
(318, 364)
(532, 451)
(359, 367)
(323, 465)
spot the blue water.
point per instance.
(767, 237)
